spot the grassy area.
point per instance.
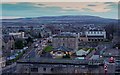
(48, 48)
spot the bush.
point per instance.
(19, 44)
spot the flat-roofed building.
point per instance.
(59, 66)
(95, 34)
(18, 34)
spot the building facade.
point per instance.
(66, 39)
(96, 35)
(52, 66)
(17, 35)
(93, 35)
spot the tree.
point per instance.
(19, 44)
(29, 40)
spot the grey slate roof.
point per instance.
(62, 48)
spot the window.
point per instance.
(44, 69)
(51, 69)
(34, 69)
(98, 32)
(88, 32)
(63, 44)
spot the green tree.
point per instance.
(19, 44)
(29, 40)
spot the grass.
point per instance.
(48, 48)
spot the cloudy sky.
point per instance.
(21, 10)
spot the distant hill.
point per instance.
(59, 19)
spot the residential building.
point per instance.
(60, 52)
(8, 43)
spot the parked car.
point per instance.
(111, 60)
(36, 45)
(25, 48)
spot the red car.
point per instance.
(111, 60)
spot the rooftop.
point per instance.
(65, 35)
(42, 60)
(62, 48)
(95, 29)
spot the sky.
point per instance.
(12, 10)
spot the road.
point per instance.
(28, 55)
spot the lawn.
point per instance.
(48, 48)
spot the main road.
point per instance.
(30, 54)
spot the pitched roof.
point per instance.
(62, 48)
(6, 38)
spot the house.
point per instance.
(8, 43)
(61, 51)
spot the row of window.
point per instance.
(95, 39)
(36, 69)
(95, 32)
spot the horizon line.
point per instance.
(17, 17)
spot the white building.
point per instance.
(18, 34)
(95, 35)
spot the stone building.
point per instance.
(68, 40)
(61, 66)
(8, 44)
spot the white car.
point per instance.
(12, 57)
(25, 48)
